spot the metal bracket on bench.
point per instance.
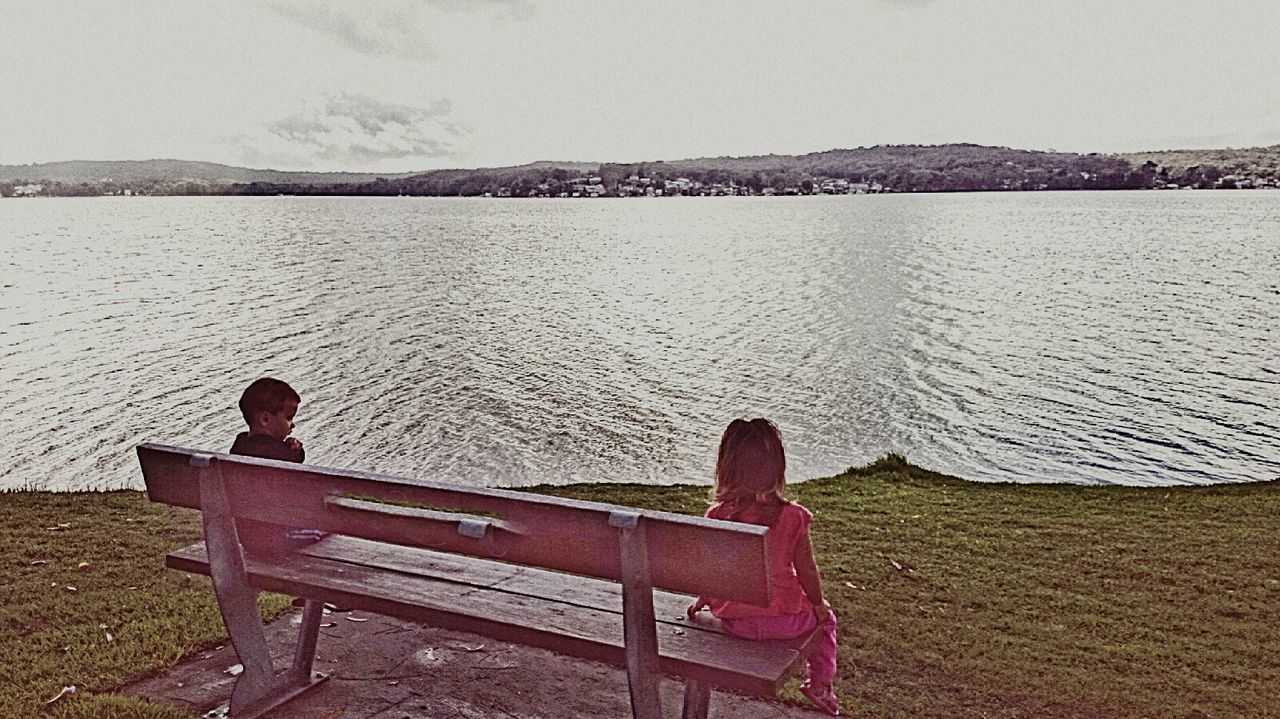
(473, 528)
(624, 520)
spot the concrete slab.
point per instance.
(382, 668)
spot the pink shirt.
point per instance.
(784, 535)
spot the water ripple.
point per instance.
(1078, 337)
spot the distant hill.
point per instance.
(552, 164)
(870, 159)
(898, 168)
(166, 171)
(1254, 162)
(915, 167)
(882, 168)
(907, 168)
(186, 177)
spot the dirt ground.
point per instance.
(381, 668)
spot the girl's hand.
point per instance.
(698, 605)
(822, 613)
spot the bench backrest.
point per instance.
(685, 554)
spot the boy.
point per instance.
(269, 406)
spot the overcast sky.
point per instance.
(403, 85)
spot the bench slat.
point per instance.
(508, 603)
(469, 571)
(686, 554)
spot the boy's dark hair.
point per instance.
(267, 394)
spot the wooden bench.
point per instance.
(574, 577)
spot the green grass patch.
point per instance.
(80, 567)
(956, 599)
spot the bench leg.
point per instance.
(258, 689)
(697, 699)
(263, 692)
(304, 656)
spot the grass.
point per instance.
(80, 566)
(956, 599)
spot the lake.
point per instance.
(1087, 337)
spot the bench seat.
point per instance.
(570, 614)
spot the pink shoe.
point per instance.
(821, 696)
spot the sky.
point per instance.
(408, 85)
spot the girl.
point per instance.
(750, 480)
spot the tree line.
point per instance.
(892, 168)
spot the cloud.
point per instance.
(391, 32)
(390, 28)
(505, 9)
(355, 131)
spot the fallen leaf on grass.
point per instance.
(38, 562)
(59, 527)
(357, 619)
(899, 565)
(104, 628)
(467, 648)
(83, 565)
(66, 692)
(70, 588)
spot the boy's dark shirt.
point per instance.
(266, 447)
(264, 537)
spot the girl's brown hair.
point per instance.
(752, 466)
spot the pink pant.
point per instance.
(822, 653)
